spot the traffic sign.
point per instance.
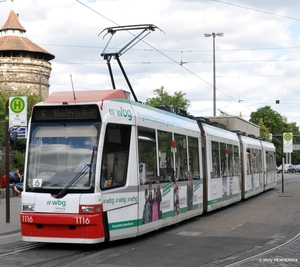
(18, 111)
(287, 142)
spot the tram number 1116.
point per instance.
(82, 220)
(27, 219)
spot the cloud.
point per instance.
(257, 59)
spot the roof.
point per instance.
(18, 42)
(12, 23)
(85, 96)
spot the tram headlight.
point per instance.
(89, 209)
(28, 207)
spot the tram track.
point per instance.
(66, 260)
(46, 255)
(13, 248)
(263, 254)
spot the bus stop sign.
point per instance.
(18, 111)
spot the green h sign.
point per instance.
(17, 105)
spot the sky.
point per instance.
(257, 60)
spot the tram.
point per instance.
(101, 167)
(221, 164)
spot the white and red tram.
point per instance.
(100, 167)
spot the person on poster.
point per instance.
(155, 211)
(147, 209)
(190, 192)
(158, 199)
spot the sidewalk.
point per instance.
(14, 216)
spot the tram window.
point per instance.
(229, 153)
(166, 169)
(193, 158)
(249, 165)
(255, 155)
(236, 161)
(115, 156)
(224, 159)
(181, 157)
(114, 136)
(215, 160)
(270, 156)
(259, 161)
(267, 160)
(147, 155)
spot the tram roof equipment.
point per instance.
(145, 30)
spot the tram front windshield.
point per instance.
(61, 156)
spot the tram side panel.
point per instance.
(252, 166)
(170, 188)
(119, 171)
(221, 159)
(150, 197)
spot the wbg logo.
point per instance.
(121, 113)
(57, 203)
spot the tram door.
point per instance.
(118, 190)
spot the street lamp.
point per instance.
(214, 63)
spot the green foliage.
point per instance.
(273, 122)
(3, 99)
(271, 119)
(264, 132)
(164, 99)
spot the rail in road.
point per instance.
(261, 230)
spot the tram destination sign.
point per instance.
(55, 113)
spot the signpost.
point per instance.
(18, 111)
(16, 116)
(287, 147)
(287, 142)
(7, 163)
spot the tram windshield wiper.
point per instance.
(79, 175)
(91, 163)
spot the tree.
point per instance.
(272, 120)
(264, 132)
(164, 99)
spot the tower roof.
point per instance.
(12, 38)
(12, 23)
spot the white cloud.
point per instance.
(257, 60)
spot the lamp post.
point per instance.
(214, 65)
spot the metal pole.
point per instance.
(214, 35)
(283, 167)
(282, 175)
(214, 73)
(7, 162)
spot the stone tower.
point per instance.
(24, 66)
